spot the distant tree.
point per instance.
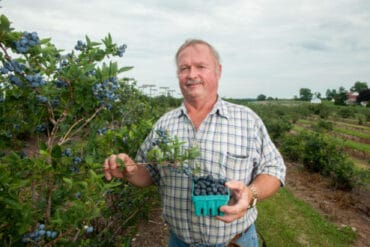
(330, 94)
(261, 97)
(359, 86)
(364, 95)
(341, 97)
(305, 94)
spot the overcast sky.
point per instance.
(267, 47)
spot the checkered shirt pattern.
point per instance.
(233, 144)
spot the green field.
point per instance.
(284, 220)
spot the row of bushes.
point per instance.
(313, 148)
(321, 154)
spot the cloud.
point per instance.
(267, 47)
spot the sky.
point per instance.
(267, 47)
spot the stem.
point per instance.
(48, 209)
(127, 220)
(55, 128)
(68, 135)
(76, 235)
(5, 51)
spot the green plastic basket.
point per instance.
(209, 205)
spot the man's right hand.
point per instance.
(113, 167)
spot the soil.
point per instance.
(345, 209)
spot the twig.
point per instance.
(68, 135)
(127, 220)
(6, 52)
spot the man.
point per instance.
(233, 143)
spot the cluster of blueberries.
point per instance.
(27, 41)
(76, 160)
(209, 185)
(80, 46)
(163, 137)
(60, 83)
(39, 234)
(41, 128)
(12, 66)
(35, 80)
(102, 131)
(105, 91)
(121, 50)
(67, 152)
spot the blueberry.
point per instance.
(90, 229)
(54, 234)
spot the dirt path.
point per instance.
(342, 208)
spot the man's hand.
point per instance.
(238, 203)
(119, 166)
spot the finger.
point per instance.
(130, 165)
(107, 173)
(126, 159)
(111, 168)
(116, 173)
(235, 209)
(227, 218)
(235, 186)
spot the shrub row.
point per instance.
(321, 154)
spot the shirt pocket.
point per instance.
(238, 167)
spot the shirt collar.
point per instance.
(219, 108)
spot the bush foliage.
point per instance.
(61, 114)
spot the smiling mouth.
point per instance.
(193, 82)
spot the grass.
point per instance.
(352, 132)
(284, 220)
(363, 147)
(351, 125)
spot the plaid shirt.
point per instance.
(233, 144)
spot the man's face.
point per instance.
(198, 73)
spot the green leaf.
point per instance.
(4, 24)
(120, 162)
(123, 69)
(44, 153)
(68, 182)
(56, 152)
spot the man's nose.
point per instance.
(193, 73)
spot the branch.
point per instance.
(5, 51)
(68, 135)
(56, 125)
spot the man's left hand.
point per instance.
(238, 204)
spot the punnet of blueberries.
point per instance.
(209, 185)
(209, 194)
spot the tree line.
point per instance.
(338, 96)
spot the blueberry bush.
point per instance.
(61, 114)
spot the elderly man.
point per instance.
(232, 141)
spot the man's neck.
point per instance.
(199, 110)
